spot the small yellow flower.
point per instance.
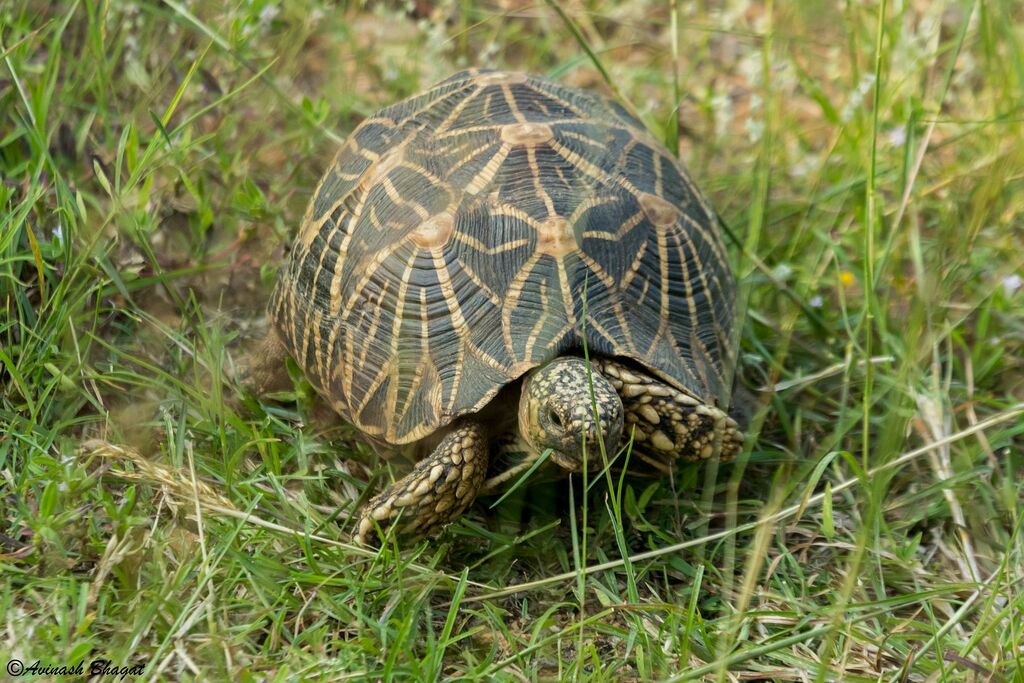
(846, 278)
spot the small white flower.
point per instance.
(897, 136)
(802, 166)
(816, 301)
(856, 97)
(755, 129)
(490, 51)
(58, 232)
(782, 271)
(1011, 283)
(721, 105)
(269, 13)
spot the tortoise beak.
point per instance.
(574, 462)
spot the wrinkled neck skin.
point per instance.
(556, 411)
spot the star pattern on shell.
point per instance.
(477, 230)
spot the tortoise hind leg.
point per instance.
(264, 370)
(438, 490)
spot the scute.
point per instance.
(479, 229)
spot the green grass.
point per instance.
(868, 160)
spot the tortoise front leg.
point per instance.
(668, 422)
(438, 490)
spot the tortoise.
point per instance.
(504, 262)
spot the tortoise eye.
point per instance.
(555, 419)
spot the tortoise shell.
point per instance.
(475, 231)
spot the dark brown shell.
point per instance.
(475, 231)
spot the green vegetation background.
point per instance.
(868, 158)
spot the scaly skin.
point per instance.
(669, 422)
(436, 492)
(556, 411)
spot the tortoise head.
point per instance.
(556, 411)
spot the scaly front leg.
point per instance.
(438, 490)
(670, 423)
